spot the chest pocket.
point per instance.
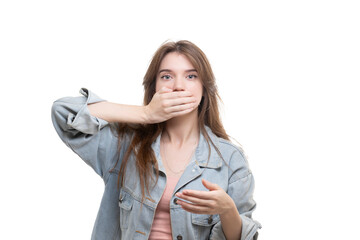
(125, 203)
(204, 219)
(203, 224)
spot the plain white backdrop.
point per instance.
(288, 73)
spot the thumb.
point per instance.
(209, 185)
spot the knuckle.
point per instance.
(164, 103)
(211, 204)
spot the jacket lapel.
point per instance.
(204, 157)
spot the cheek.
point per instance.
(198, 92)
(199, 89)
(158, 85)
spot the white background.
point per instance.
(288, 73)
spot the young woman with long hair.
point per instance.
(169, 168)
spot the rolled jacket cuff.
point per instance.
(248, 230)
(83, 121)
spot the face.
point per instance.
(177, 73)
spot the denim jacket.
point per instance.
(121, 214)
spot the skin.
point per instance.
(178, 91)
(214, 201)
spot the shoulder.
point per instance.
(232, 150)
(234, 157)
(227, 145)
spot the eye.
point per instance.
(192, 76)
(166, 77)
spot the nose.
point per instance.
(178, 84)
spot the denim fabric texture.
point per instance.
(121, 215)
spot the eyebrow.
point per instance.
(168, 70)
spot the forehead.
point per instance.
(176, 62)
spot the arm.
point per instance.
(82, 123)
(240, 189)
(88, 136)
(164, 105)
(231, 223)
(114, 112)
(234, 206)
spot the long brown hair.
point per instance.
(143, 135)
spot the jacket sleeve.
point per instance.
(240, 189)
(91, 138)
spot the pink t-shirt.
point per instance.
(161, 227)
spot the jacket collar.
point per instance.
(201, 153)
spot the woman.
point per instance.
(169, 169)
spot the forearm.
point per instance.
(114, 112)
(231, 224)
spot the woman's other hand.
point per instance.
(214, 201)
(167, 104)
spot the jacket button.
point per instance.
(175, 202)
(210, 219)
(179, 237)
(121, 200)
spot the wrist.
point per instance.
(145, 115)
(230, 210)
(231, 223)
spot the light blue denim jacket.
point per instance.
(120, 215)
